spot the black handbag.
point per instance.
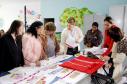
(98, 78)
(102, 79)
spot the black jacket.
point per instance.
(94, 39)
(10, 54)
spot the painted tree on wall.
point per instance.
(78, 14)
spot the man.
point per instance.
(93, 36)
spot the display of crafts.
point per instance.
(49, 73)
(32, 75)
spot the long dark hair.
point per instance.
(14, 27)
(109, 19)
(33, 27)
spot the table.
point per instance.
(49, 73)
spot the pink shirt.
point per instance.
(31, 49)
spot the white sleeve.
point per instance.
(81, 36)
(63, 40)
(120, 57)
(63, 37)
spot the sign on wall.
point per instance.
(11, 11)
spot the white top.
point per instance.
(118, 59)
(73, 36)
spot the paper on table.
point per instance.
(65, 72)
(95, 50)
(32, 75)
(75, 77)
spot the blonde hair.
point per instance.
(50, 26)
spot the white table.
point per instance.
(47, 73)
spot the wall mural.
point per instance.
(78, 14)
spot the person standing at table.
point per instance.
(108, 43)
(49, 41)
(119, 51)
(10, 53)
(93, 36)
(31, 44)
(74, 35)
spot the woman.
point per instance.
(108, 43)
(93, 36)
(119, 51)
(71, 38)
(31, 45)
(49, 41)
(11, 54)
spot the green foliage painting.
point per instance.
(78, 14)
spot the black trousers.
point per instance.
(72, 51)
(111, 69)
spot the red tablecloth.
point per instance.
(83, 64)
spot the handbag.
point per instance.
(102, 79)
(98, 78)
